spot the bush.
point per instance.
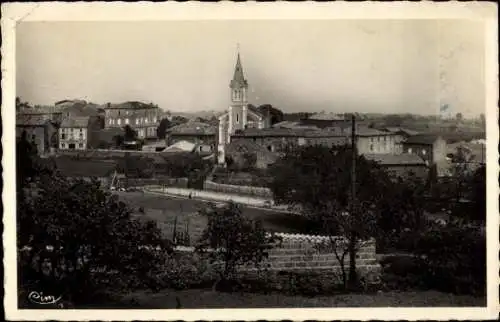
(448, 258)
(454, 259)
(184, 271)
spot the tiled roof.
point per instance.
(84, 168)
(81, 108)
(366, 131)
(293, 125)
(244, 146)
(280, 132)
(31, 120)
(427, 139)
(80, 121)
(45, 109)
(255, 110)
(399, 130)
(193, 127)
(396, 159)
(130, 105)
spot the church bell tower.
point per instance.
(239, 100)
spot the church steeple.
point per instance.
(238, 80)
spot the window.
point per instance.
(63, 136)
(201, 148)
(269, 148)
(371, 147)
(424, 152)
(119, 121)
(126, 121)
(80, 145)
(237, 118)
(81, 133)
(63, 145)
(81, 130)
(33, 137)
(146, 120)
(409, 150)
(136, 121)
(110, 121)
(118, 113)
(155, 119)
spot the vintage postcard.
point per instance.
(250, 161)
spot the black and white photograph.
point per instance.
(228, 156)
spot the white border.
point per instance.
(15, 12)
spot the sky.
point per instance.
(367, 66)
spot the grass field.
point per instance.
(164, 211)
(200, 298)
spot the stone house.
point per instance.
(77, 133)
(401, 165)
(198, 133)
(39, 130)
(239, 149)
(431, 148)
(143, 118)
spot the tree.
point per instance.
(459, 117)
(250, 160)
(161, 131)
(318, 180)
(76, 239)
(234, 240)
(130, 134)
(86, 239)
(275, 114)
(177, 120)
(477, 193)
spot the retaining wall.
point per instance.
(236, 189)
(300, 253)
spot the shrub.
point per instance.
(449, 258)
(184, 271)
(232, 240)
(454, 258)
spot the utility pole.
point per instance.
(353, 219)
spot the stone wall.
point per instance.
(300, 253)
(237, 189)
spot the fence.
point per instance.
(238, 190)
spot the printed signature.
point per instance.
(40, 298)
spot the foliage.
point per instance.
(161, 131)
(178, 120)
(77, 238)
(182, 165)
(232, 240)
(130, 134)
(275, 114)
(183, 271)
(454, 258)
(135, 166)
(477, 193)
(318, 180)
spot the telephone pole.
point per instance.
(352, 240)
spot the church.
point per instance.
(240, 115)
